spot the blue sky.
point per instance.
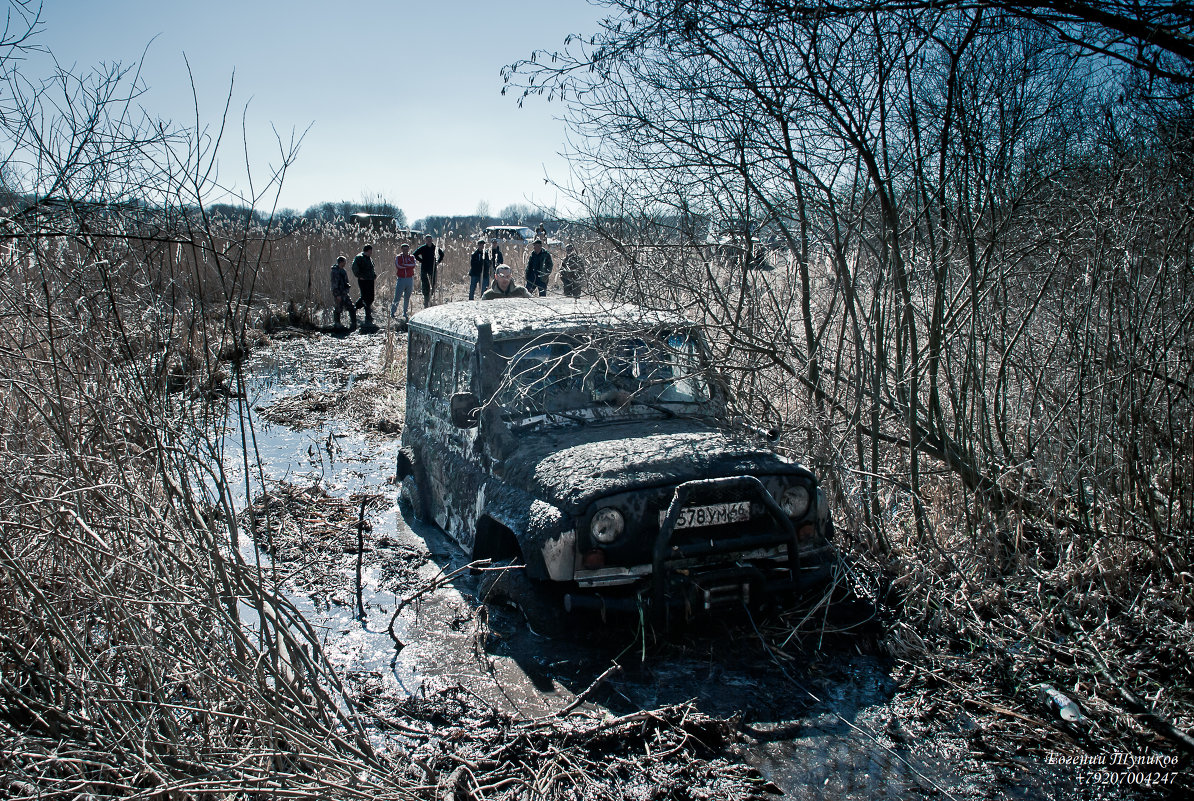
(402, 98)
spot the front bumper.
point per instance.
(702, 575)
(746, 583)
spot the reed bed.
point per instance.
(139, 653)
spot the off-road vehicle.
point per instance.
(593, 447)
(520, 234)
(741, 242)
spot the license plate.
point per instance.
(717, 514)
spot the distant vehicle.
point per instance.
(516, 233)
(381, 222)
(375, 222)
(384, 223)
(589, 447)
(733, 240)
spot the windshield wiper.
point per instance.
(670, 414)
(569, 416)
(622, 400)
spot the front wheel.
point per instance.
(509, 585)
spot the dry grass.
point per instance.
(139, 652)
(125, 606)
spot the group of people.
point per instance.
(538, 272)
(427, 258)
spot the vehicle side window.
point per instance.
(442, 370)
(686, 370)
(418, 359)
(464, 372)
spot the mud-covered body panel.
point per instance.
(572, 466)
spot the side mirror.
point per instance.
(465, 409)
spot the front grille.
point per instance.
(643, 510)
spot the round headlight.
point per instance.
(794, 501)
(607, 525)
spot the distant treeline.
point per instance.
(343, 211)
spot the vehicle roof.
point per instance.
(507, 227)
(518, 317)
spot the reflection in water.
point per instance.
(339, 457)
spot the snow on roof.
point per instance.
(512, 318)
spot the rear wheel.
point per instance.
(413, 492)
(411, 495)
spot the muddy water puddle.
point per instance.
(831, 723)
(297, 393)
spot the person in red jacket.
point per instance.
(404, 280)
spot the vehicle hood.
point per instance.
(572, 466)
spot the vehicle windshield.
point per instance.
(608, 376)
(511, 233)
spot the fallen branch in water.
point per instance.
(439, 581)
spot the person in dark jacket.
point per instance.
(340, 292)
(538, 268)
(495, 255)
(429, 257)
(572, 272)
(504, 286)
(366, 274)
(478, 271)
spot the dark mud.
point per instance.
(720, 708)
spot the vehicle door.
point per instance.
(452, 469)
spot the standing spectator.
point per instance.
(504, 286)
(340, 293)
(538, 269)
(495, 255)
(366, 273)
(404, 280)
(572, 272)
(541, 232)
(429, 257)
(478, 271)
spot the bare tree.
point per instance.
(141, 651)
(1152, 37)
(962, 325)
(864, 147)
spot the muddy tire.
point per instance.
(413, 492)
(513, 588)
(412, 496)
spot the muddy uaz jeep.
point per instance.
(590, 445)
